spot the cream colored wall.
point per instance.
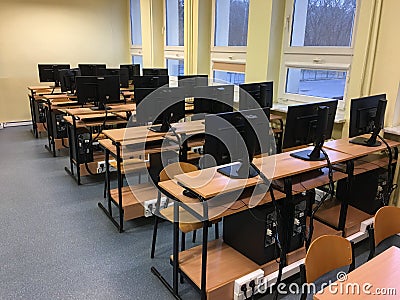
(386, 69)
(54, 31)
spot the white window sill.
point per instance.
(392, 130)
(283, 108)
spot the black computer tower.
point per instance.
(366, 190)
(253, 232)
(81, 147)
(59, 125)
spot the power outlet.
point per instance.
(150, 206)
(256, 276)
(101, 167)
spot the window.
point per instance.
(174, 36)
(231, 22)
(174, 22)
(138, 59)
(175, 67)
(136, 25)
(318, 49)
(136, 33)
(228, 77)
(229, 39)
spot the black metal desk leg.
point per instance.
(344, 202)
(175, 281)
(204, 262)
(119, 179)
(107, 179)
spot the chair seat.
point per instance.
(187, 222)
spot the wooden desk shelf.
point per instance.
(132, 207)
(330, 215)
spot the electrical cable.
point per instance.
(389, 189)
(331, 193)
(273, 200)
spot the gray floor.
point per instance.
(57, 244)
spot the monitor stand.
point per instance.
(97, 108)
(366, 142)
(233, 171)
(159, 128)
(306, 155)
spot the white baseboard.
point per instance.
(15, 124)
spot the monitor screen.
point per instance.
(155, 71)
(213, 99)
(150, 81)
(301, 123)
(237, 137)
(49, 72)
(134, 70)
(362, 114)
(92, 69)
(255, 95)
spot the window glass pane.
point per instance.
(136, 25)
(138, 59)
(174, 22)
(322, 23)
(175, 67)
(231, 20)
(318, 83)
(231, 77)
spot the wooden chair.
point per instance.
(386, 224)
(190, 224)
(326, 253)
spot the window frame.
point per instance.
(135, 49)
(225, 54)
(308, 57)
(171, 52)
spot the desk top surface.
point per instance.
(381, 272)
(38, 87)
(343, 145)
(209, 182)
(55, 96)
(142, 132)
(114, 108)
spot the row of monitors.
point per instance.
(62, 74)
(238, 136)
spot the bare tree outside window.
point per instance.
(174, 22)
(322, 23)
(231, 22)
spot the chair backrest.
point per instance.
(175, 169)
(325, 254)
(387, 223)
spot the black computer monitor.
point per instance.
(319, 137)
(150, 81)
(155, 71)
(67, 79)
(134, 70)
(123, 76)
(213, 99)
(301, 123)
(163, 106)
(363, 113)
(192, 80)
(236, 137)
(100, 90)
(92, 69)
(255, 95)
(49, 72)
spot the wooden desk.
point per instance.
(342, 215)
(37, 126)
(343, 145)
(381, 272)
(114, 108)
(209, 183)
(127, 143)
